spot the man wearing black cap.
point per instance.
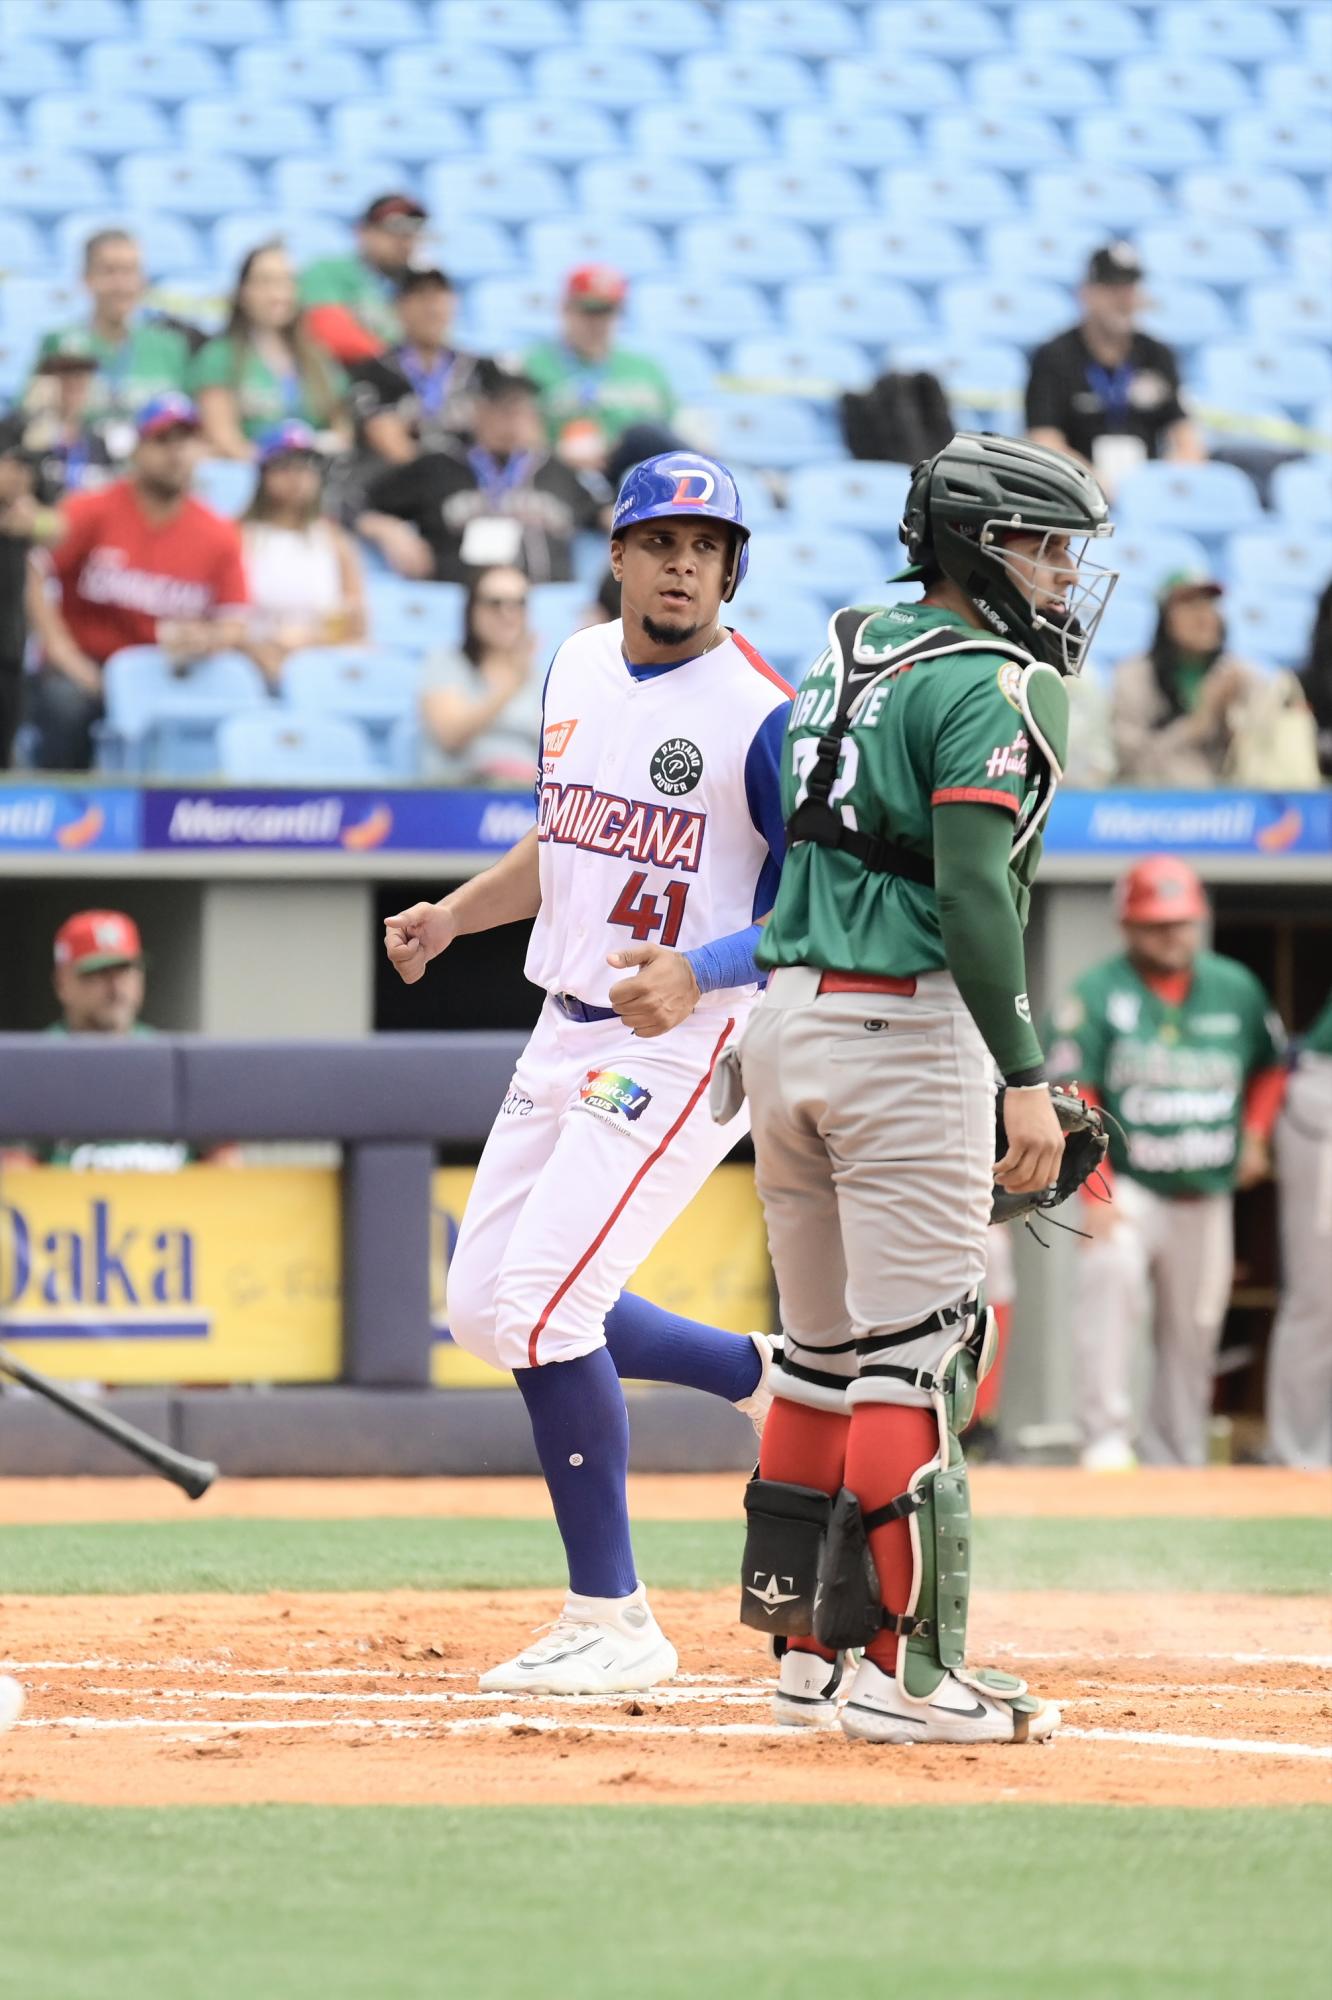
(69, 451)
(349, 300)
(1105, 391)
(415, 396)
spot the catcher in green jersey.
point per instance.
(920, 762)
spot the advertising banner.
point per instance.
(1201, 823)
(49, 819)
(424, 821)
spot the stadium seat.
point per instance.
(469, 248)
(984, 379)
(761, 510)
(366, 684)
(763, 83)
(225, 484)
(1239, 374)
(521, 25)
(1115, 199)
(719, 311)
(1315, 24)
(684, 27)
(447, 75)
(1273, 628)
(657, 130)
(1155, 142)
(800, 192)
(1320, 422)
(1014, 142)
(407, 130)
(168, 71)
(501, 312)
(306, 236)
(821, 366)
(689, 365)
(561, 244)
(303, 71)
(866, 494)
(169, 242)
(1184, 314)
(70, 21)
(787, 626)
(1024, 312)
(187, 183)
(943, 193)
(221, 24)
(956, 29)
(1245, 34)
(26, 68)
(554, 610)
(650, 190)
(1284, 86)
(21, 249)
(795, 27)
(1278, 559)
(563, 132)
(1145, 559)
(412, 617)
(1128, 625)
(917, 83)
(282, 746)
(874, 312)
(1204, 500)
(162, 721)
(747, 247)
(255, 131)
(37, 304)
(1040, 246)
(835, 564)
(1058, 85)
(1204, 86)
(503, 190)
(847, 139)
(763, 431)
(1300, 140)
(617, 77)
(199, 299)
(330, 183)
(94, 123)
(1078, 28)
(1302, 493)
(1309, 250)
(1210, 253)
(372, 25)
(1276, 312)
(921, 253)
(48, 184)
(1264, 198)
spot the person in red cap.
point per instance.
(591, 390)
(139, 563)
(1183, 1048)
(348, 300)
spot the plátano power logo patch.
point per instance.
(676, 767)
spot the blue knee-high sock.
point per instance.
(653, 1345)
(581, 1427)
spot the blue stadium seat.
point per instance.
(372, 25)
(879, 310)
(1245, 34)
(1115, 198)
(71, 21)
(564, 132)
(1320, 422)
(652, 190)
(306, 236)
(1154, 142)
(820, 366)
(187, 183)
(554, 610)
(848, 139)
(282, 746)
(765, 431)
(200, 299)
(1273, 628)
(916, 83)
(689, 365)
(169, 71)
(1302, 493)
(718, 310)
(1060, 85)
(1204, 86)
(27, 68)
(364, 684)
(37, 304)
(865, 494)
(1204, 500)
(1102, 28)
(787, 626)
(256, 131)
(469, 247)
(835, 564)
(1239, 374)
(1284, 86)
(1278, 559)
(504, 190)
(1145, 559)
(300, 70)
(501, 312)
(943, 193)
(697, 132)
(520, 25)
(47, 184)
(1184, 314)
(562, 243)
(1300, 140)
(448, 75)
(1128, 626)
(168, 242)
(1275, 312)
(396, 130)
(331, 184)
(1040, 246)
(225, 484)
(615, 76)
(922, 253)
(221, 24)
(764, 83)
(161, 721)
(95, 123)
(958, 29)
(795, 27)
(800, 192)
(1210, 253)
(759, 251)
(984, 379)
(412, 617)
(680, 29)
(22, 250)
(1017, 142)
(1266, 198)
(1309, 250)
(1021, 311)
(1316, 33)
(761, 510)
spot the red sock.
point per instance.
(987, 1396)
(888, 1442)
(804, 1447)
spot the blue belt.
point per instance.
(574, 1009)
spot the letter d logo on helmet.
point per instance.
(694, 489)
(676, 483)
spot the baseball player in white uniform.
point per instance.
(656, 854)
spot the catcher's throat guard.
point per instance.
(1086, 1142)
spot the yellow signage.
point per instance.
(208, 1274)
(712, 1264)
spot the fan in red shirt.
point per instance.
(140, 563)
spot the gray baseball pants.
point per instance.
(1299, 1368)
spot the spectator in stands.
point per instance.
(71, 454)
(481, 702)
(266, 367)
(138, 355)
(1316, 680)
(591, 390)
(1105, 391)
(1173, 708)
(415, 396)
(349, 300)
(139, 563)
(503, 499)
(23, 521)
(304, 572)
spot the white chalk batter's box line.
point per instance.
(744, 1695)
(184, 1665)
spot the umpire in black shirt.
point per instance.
(1105, 391)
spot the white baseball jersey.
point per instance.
(658, 809)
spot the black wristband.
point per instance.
(1024, 1079)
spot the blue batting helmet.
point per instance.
(678, 483)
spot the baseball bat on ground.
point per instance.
(193, 1475)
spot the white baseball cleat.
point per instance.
(597, 1645)
(806, 1691)
(1109, 1454)
(758, 1402)
(11, 1702)
(957, 1712)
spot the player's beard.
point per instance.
(662, 634)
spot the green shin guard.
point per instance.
(941, 1530)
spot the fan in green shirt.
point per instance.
(591, 390)
(266, 368)
(349, 300)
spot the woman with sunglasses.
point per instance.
(481, 703)
(306, 585)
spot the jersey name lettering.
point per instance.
(1009, 759)
(578, 816)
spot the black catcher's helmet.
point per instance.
(981, 486)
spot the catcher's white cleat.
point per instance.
(758, 1402)
(806, 1696)
(11, 1702)
(959, 1711)
(597, 1645)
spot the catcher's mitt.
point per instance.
(1086, 1142)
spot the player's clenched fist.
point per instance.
(662, 993)
(415, 936)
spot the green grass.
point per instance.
(1280, 1557)
(713, 1903)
